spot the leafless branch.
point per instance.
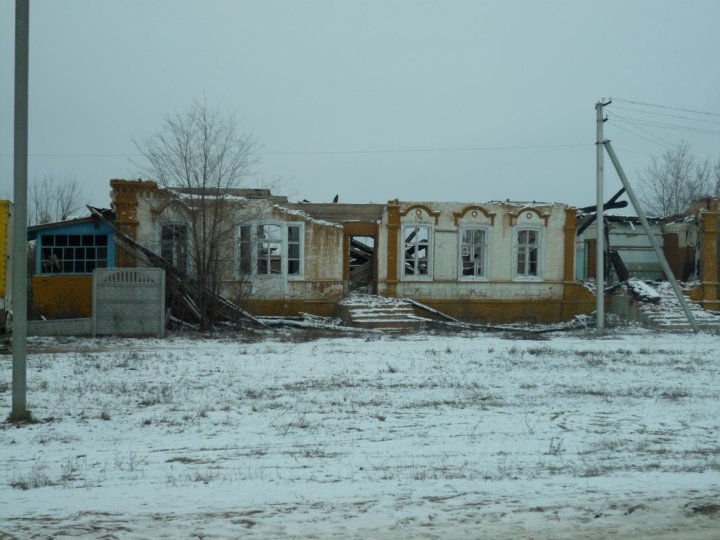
(51, 200)
(203, 155)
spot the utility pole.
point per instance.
(19, 410)
(600, 219)
(653, 241)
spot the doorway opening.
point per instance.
(361, 259)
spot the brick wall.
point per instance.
(501, 220)
(62, 296)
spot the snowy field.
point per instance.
(414, 436)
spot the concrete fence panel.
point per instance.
(129, 301)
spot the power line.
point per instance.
(666, 125)
(351, 152)
(662, 142)
(642, 137)
(645, 104)
(657, 137)
(79, 155)
(635, 110)
(429, 150)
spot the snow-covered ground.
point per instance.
(429, 436)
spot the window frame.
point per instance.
(539, 276)
(68, 251)
(271, 240)
(285, 244)
(430, 252)
(485, 266)
(188, 242)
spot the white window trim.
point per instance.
(431, 252)
(190, 243)
(486, 252)
(541, 250)
(283, 250)
(301, 271)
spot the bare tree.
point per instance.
(715, 179)
(203, 156)
(676, 179)
(52, 200)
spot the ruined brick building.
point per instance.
(496, 261)
(476, 261)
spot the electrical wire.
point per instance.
(645, 104)
(658, 140)
(429, 150)
(359, 152)
(642, 137)
(635, 110)
(665, 125)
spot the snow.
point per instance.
(373, 300)
(371, 436)
(307, 217)
(642, 290)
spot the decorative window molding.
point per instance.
(473, 252)
(528, 211)
(528, 253)
(270, 249)
(417, 212)
(182, 206)
(474, 210)
(417, 248)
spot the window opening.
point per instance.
(73, 253)
(472, 253)
(245, 255)
(293, 250)
(174, 244)
(417, 250)
(269, 249)
(527, 253)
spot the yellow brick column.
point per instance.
(569, 249)
(569, 299)
(392, 248)
(709, 269)
(124, 196)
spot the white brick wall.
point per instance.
(324, 254)
(501, 224)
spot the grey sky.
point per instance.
(495, 98)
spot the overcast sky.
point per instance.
(373, 100)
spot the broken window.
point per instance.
(293, 250)
(472, 252)
(269, 249)
(527, 253)
(417, 250)
(73, 253)
(174, 245)
(245, 250)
